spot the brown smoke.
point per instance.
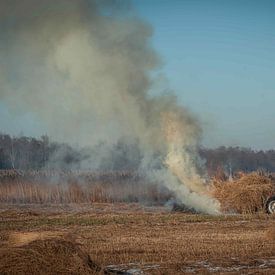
(83, 68)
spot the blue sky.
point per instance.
(219, 57)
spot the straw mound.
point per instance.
(248, 194)
(51, 256)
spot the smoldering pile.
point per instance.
(246, 194)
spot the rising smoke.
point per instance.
(83, 68)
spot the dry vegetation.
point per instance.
(85, 227)
(49, 256)
(246, 194)
(77, 187)
(98, 238)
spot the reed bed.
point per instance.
(78, 187)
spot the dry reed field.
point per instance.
(55, 222)
(53, 186)
(132, 239)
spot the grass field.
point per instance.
(143, 240)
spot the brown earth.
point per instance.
(117, 238)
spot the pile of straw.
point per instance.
(51, 256)
(247, 194)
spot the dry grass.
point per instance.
(246, 194)
(59, 234)
(24, 238)
(77, 187)
(128, 236)
(48, 256)
(270, 234)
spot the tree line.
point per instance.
(26, 153)
(235, 159)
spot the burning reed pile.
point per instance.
(247, 194)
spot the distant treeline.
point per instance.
(27, 153)
(235, 159)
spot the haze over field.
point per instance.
(88, 73)
(83, 69)
(137, 136)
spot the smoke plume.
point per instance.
(83, 68)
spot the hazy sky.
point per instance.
(219, 57)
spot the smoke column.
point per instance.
(83, 68)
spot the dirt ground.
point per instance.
(133, 239)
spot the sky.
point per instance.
(219, 57)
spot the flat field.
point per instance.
(134, 239)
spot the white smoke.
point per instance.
(83, 68)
